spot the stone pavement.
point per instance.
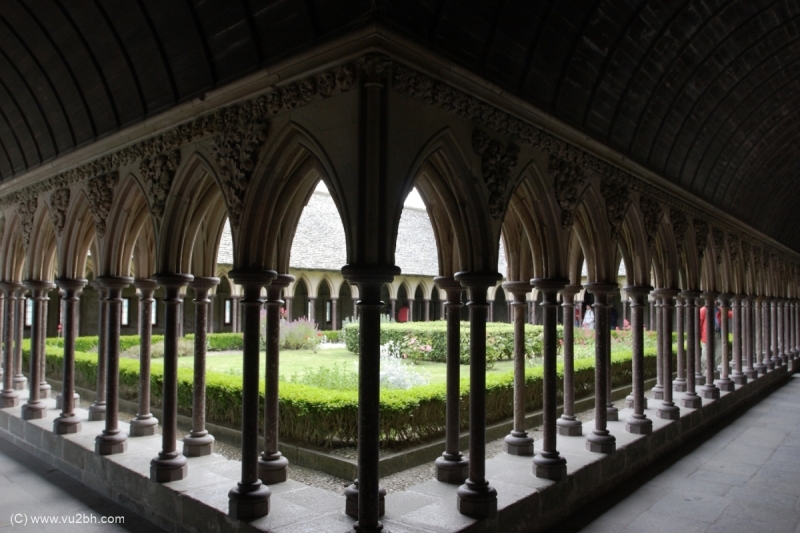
(31, 489)
(743, 478)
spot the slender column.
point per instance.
(312, 308)
(796, 329)
(709, 390)
(601, 440)
(144, 423)
(44, 386)
(567, 424)
(690, 398)
(112, 440)
(19, 380)
(452, 467)
(775, 360)
(442, 309)
(766, 347)
(657, 392)
(738, 376)
(365, 497)
(97, 411)
(170, 465)
(6, 369)
(749, 338)
(758, 328)
(518, 442)
(289, 300)
(9, 397)
(699, 377)
(334, 312)
(612, 413)
(724, 382)
(411, 309)
(476, 498)
(36, 407)
(638, 422)
(199, 441)
(782, 331)
(777, 332)
(273, 467)
(491, 311)
(393, 304)
(679, 384)
(667, 410)
(68, 422)
(548, 463)
(426, 305)
(653, 320)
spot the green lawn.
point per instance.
(297, 361)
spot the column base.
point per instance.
(477, 501)
(739, 379)
(668, 412)
(751, 373)
(97, 412)
(550, 465)
(34, 411)
(657, 392)
(170, 467)
(601, 443)
(692, 401)
(19, 382)
(247, 503)
(198, 446)
(9, 398)
(519, 443)
(709, 392)
(569, 427)
(726, 384)
(770, 366)
(274, 469)
(44, 391)
(66, 425)
(612, 413)
(639, 426)
(144, 427)
(111, 443)
(760, 369)
(699, 380)
(453, 470)
(629, 401)
(60, 400)
(351, 500)
(679, 385)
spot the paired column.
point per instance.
(426, 304)
(518, 442)
(9, 397)
(67, 422)
(19, 380)
(144, 423)
(567, 424)
(739, 342)
(170, 465)
(657, 392)
(667, 410)
(334, 311)
(748, 338)
(699, 377)
(758, 327)
(690, 398)
(451, 467)
(411, 309)
(112, 440)
(724, 382)
(199, 441)
(35, 406)
(97, 411)
(612, 412)
(601, 440)
(638, 422)
(273, 467)
(44, 386)
(476, 498)
(709, 390)
(784, 330)
(679, 384)
(777, 332)
(548, 463)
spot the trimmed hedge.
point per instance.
(309, 415)
(499, 339)
(222, 342)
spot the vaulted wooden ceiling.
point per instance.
(706, 93)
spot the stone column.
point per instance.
(699, 377)
(97, 411)
(112, 440)
(393, 304)
(288, 300)
(724, 383)
(657, 392)
(709, 390)
(250, 499)
(601, 440)
(426, 305)
(638, 422)
(567, 424)
(312, 309)
(476, 498)
(653, 320)
(9, 397)
(19, 381)
(784, 340)
(777, 332)
(451, 467)
(144, 423)
(237, 307)
(667, 410)
(442, 308)
(334, 312)
(758, 330)
(690, 398)
(548, 463)
(272, 465)
(796, 329)
(44, 386)
(738, 376)
(491, 311)
(199, 441)
(411, 309)
(35, 406)
(775, 360)
(518, 442)
(679, 384)
(68, 422)
(748, 336)
(170, 465)
(612, 413)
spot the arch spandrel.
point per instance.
(667, 251)
(128, 213)
(592, 229)
(13, 256)
(634, 248)
(40, 258)
(76, 238)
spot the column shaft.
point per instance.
(144, 423)
(518, 442)
(9, 397)
(97, 411)
(690, 398)
(68, 422)
(567, 423)
(601, 440)
(709, 390)
(35, 406)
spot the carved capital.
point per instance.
(158, 174)
(700, 236)
(616, 195)
(651, 211)
(496, 164)
(26, 211)
(100, 193)
(59, 202)
(680, 227)
(746, 254)
(718, 239)
(568, 182)
(733, 248)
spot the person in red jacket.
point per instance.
(717, 336)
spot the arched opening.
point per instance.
(300, 308)
(500, 306)
(418, 306)
(436, 305)
(345, 305)
(323, 307)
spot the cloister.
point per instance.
(659, 137)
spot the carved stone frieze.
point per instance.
(497, 161)
(651, 210)
(616, 195)
(746, 254)
(568, 182)
(158, 174)
(757, 258)
(26, 211)
(733, 248)
(59, 202)
(700, 236)
(718, 240)
(100, 193)
(680, 227)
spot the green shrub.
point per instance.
(222, 342)
(300, 334)
(331, 335)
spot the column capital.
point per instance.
(203, 283)
(724, 299)
(173, 280)
(145, 286)
(447, 283)
(113, 282)
(71, 286)
(478, 279)
(638, 291)
(569, 291)
(10, 286)
(519, 289)
(601, 287)
(666, 293)
(283, 281)
(370, 273)
(38, 285)
(737, 298)
(709, 295)
(553, 285)
(691, 294)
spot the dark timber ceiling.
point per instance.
(706, 93)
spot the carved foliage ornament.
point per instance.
(496, 164)
(746, 254)
(651, 210)
(733, 248)
(158, 174)
(100, 193)
(680, 227)
(700, 236)
(718, 239)
(59, 202)
(568, 181)
(615, 194)
(26, 211)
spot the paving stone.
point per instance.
(654, 522)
